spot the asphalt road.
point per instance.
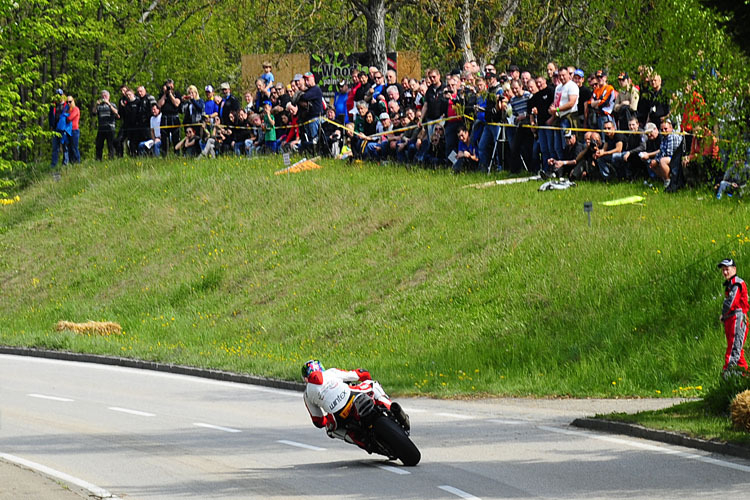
(148, 435)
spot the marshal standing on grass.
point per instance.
(734, 315)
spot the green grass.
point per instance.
(691, 418)
(436, 289)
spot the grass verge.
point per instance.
(437, 289)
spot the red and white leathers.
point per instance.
(734, 315)
(328, 392)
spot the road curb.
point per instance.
(668, 437)
(152, 365)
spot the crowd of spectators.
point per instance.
(472, 119)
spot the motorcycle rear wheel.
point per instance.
(395, 439)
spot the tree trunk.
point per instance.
(393, 38)
(497, 41)
(463, 32)
(375, 15)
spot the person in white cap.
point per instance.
(734, 316)
(211, 108)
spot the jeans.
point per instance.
(312, 130)
(75, 154)
(547, 146)
(487, 145)
(451, 136)
(59, 145)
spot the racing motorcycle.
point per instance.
(382, 430)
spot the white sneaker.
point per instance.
(666, 183)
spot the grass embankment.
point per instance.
(436, 289)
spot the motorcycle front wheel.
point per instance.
(395, 439)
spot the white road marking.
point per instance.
(507, 422)
(458, 493)
(300, 445)
(216, 427)
(650, 447)
(414, 410)
(93, 489)
(132, 412)
(395, 470)
(51, 398)
(456, 415)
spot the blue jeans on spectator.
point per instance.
(155, 148)
(559, 137)
(476, 133)
(74, 153)
(312, 130)
(59, 143)
(547, 146)
(487, 145)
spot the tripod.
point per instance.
(500, 139)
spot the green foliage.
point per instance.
(720, 396)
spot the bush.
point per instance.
(719, 397)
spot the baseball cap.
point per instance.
(209, 88)
(579, 72)
(623, 76)
(568, 134)
(342, 83)
(298, 76)
(267, 102)
(600, 73)
(726, 263)
(224, 85)
(59, 92)
(308, 74)
(384, 116)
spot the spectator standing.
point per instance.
(106, 114)
(170, 102)
(734, 312)
(341, 103)
(522, 137)
(211, 108)
(58, 122)
(313, 96)
(435, 106)
(584, 95)
(229, 104)
(122, 134)
(653, 105)
(144, 102)
(130, 122)
(74, 117)
(539, 105)
(626, 102)
(565, 107)
(192, 107)
(603, 99)
(495, 113)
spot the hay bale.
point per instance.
(740, 411)
(90, 327)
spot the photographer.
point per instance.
(106, 114)
(169, 102)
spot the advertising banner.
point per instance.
(329, 69)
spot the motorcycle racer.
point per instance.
(329, 393)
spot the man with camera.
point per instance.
(106, 114)
(169, 103)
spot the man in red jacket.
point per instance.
(734, 315)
